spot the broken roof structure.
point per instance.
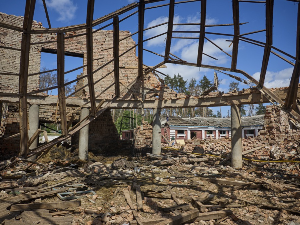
(140, 89)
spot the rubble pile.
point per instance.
(177, 187)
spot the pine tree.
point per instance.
(260, 109)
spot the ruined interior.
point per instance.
(229, 179)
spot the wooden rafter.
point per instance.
(269, 40)
(293, 87)
(60, 81)
(116, 55)
(170, 29)
(89, 48)
(235, 46)
(141, 37)
(202, 32)
(46, 12)
(23, 79)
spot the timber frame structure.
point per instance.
(285, 98)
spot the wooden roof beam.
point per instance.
(235, 46)
(23, 78)
(170, 29)
(116, 40)
(202, 32)
(60, 81)
(293, 88)
(89, 49)
(46, 12)
(141, 37)
(269, 41)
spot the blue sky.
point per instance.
(69, 12)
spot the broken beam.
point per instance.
(202, 32)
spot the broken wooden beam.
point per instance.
(116, 43)
(269, 41)
(170, 29)
(202, 33)
(293, 87)
(45, 205)
(214, 215)
(61, 80)
(89, 51)
(23, 77)
(128, 199)
(181, 218)
(235, 11)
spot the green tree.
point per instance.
(205, 84)
(260, 109)
(243, 111)
(177, 83)
(218, 114)
(123, 121)
(233, 85)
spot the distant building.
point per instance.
(176, 128)
(127, 134)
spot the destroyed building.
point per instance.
(251, 176)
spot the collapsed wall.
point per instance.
(277, 127)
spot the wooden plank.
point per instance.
(89, 49)
(139, 200)
(235, 46)
(23, 78)
(269, 41)
(202, 33)
(116, 41)
(128, 199)
(44, 205)
(170, 29)
(60, 81)
(181, 218)
(137, 217)
(213, 215)
(293, 87)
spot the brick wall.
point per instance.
(277, 127)
(10, 59)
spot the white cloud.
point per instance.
(65, 8)
(276, 79)
(190, 52)
(159, 30)
(187, 72)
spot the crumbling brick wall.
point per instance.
(143, 135)
(9, 146)
(277, 127)
(10, 58)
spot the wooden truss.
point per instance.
(285, 99)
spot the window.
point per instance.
(193, 134)
(180, 132)
(209, 132)
(222, 131)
